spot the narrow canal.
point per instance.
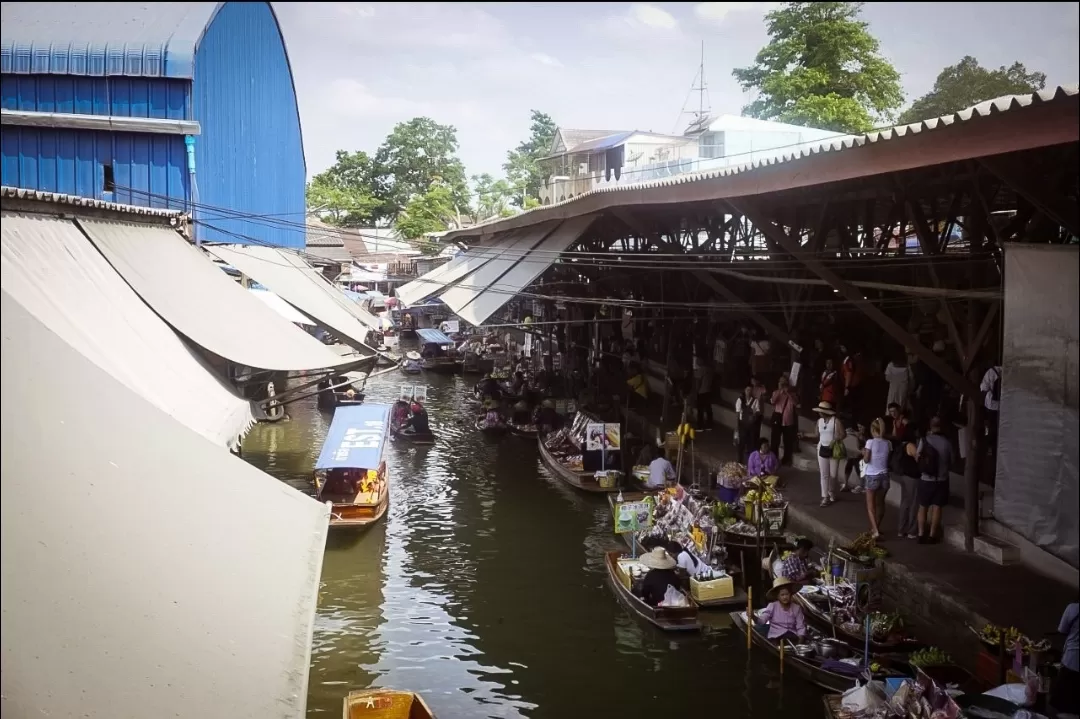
(485, 590)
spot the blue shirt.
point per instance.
(1070, 627)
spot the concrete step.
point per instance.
(997, 551)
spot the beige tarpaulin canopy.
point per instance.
(146, 571)
(201, 302)
(53, 271)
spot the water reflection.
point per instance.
(485, 590)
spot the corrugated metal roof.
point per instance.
(95, 38)
(18, 193)
(841, 143)
(572, 138)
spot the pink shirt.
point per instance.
(781, 620)
(784, 402)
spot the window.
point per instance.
(711, 145)
(109, 182)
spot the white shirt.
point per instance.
(826, 429)
(685, 561)
(898, 379)
(879, 457)
(660, 470)
(987, 386)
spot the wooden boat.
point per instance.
(426, 438)
(526, 431)
(350, 472)
(496, 431)
(436, 347)
(809, 668)
(334, 390)
(585, 481)
(818, 615)
(669, 619)
(407, 368)
(385, 704)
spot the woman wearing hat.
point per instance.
(784, 617)
(829, 431)
(660, 576)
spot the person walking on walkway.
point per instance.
(935, 456)
(704, 396)
(830, 385)
(830, 449)
(785, 420)
(876, 456)
(747, 410)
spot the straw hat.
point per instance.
(548, 404)
(658, 558)
(413, 355)
(825, 408)
(490, 404)
(780, 583)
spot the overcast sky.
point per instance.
(360, 68)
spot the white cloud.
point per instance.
(354, 99)
(650, 16)
(545, 59)
(717, 12)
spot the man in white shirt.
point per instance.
(991, 390)
(660, 471)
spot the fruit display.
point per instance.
(993, 635)
(930, 657)
(866, 546)
(732, 475)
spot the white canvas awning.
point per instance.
(201, 302)
(478, 298)
(282, 307)
(51, 269)
(146, 572)
(444, 276)
(301, 285)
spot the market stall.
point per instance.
(565, 453)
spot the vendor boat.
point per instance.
(584, 481)
(528, 431)
(341, 390)
(669, 619)
(815, 605)
(417, 438)
(386, 704)
(496, 430)
(350, 472)
(833, 674)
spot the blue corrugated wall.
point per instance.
(148, 169)
(250, 155)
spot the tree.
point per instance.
(414, 155)
(492, 197)
(822, 68)
(522, 165)
(968, 83)
(433, 211)
(344, 194)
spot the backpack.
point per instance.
(928, 459)
(996, 390)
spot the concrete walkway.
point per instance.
(941, 590)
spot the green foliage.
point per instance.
(522, 164)
(492, 197)
(822, 68)
(343, 195)
(967, 83)
(414, 155)
(433, 211)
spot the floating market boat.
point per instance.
(341, 390)
(413, 364)
(386, 704)
(837, 673)
(497, 430)
(585, 481)
(436, 350)
(669, 619)
(417, 438)
(816, 606)
(350, 472)
(528, 431)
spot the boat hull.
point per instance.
(385, 704)
(357, 516)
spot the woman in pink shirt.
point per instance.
(784, 617)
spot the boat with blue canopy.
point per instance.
(351, 473)
(437, 351)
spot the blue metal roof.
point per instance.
(433, 337)
(356, 437)
(91, 38)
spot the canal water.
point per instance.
(485, 590)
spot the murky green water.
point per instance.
(485, 591)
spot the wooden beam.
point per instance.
(1056, 206)
(980, 337)
(928, 240)
(886, 323)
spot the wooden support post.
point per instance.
(886, 323)
(975, 451)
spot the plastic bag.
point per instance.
(673, 598)
(864, 698)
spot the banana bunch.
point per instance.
(685, 432)
(764, 495)
(993, 634)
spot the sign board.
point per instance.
(793, 376)
(410, 392)
(632, 516)
(450, 327)
(602, 437)
(774, 519)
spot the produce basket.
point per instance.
(712, 589)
